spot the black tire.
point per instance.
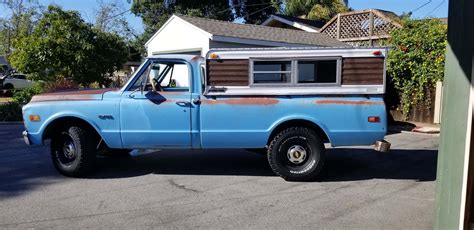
(305, 149)
(73, 154)
(8, 86)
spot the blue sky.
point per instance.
(420, 8)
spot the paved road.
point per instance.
(220, 189)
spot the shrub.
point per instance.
(59, 85)
(10, 111)
(416, 61)
(24, 96)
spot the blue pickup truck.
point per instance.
(286, 103)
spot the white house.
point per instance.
(193, 35)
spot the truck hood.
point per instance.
(76, 95)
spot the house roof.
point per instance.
(222, 29)
(312, 24)
(389, 14)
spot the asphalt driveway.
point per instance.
(217, 189)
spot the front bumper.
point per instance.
(26, 138)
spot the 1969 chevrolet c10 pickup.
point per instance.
(286, 102)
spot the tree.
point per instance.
(23, 17)
(322, 10)
(257, 11)
(62, 45)
(110, 17)
(155, 12)
(416, 60)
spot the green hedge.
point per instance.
(415, 62)
(10, 111)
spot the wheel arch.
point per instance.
(64, 121)
(9, 86)
(299, 122)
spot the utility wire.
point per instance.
(423, 5)
(240, 4)
(114, 16)
(434, 9)
(264, 8)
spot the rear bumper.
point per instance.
(26, 138)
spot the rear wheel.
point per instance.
(73, 154)
(297, 154)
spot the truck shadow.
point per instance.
(22, 174)
(342, 164)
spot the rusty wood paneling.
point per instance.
(362, 65)
(362, 71)
(228, 72)
(363, 60)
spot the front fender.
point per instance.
(37, 135)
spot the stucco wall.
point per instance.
(178, 35)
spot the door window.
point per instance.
(172, 76)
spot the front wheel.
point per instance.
(73, 154)
(296, 154)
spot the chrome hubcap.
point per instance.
(296, 154)
(69, 150)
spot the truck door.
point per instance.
(155, 109)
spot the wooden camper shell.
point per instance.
(359, 71)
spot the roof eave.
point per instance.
(298, 25)
(248, 41)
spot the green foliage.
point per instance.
(321, 10)
(10, 111)
(24, 96)
(110, 17)
(62, 45)
(416, 60)
(61, 85)
(23, 15)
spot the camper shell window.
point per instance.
(296, 72)
(269, 72)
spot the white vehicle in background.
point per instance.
(16, 81)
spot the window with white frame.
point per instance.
(271, 72)
(298, 72)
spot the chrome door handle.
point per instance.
(182, 103)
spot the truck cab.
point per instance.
(286, 105)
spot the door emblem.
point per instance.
(106, 117)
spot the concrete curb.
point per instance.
(427, 130)
(417, 130)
